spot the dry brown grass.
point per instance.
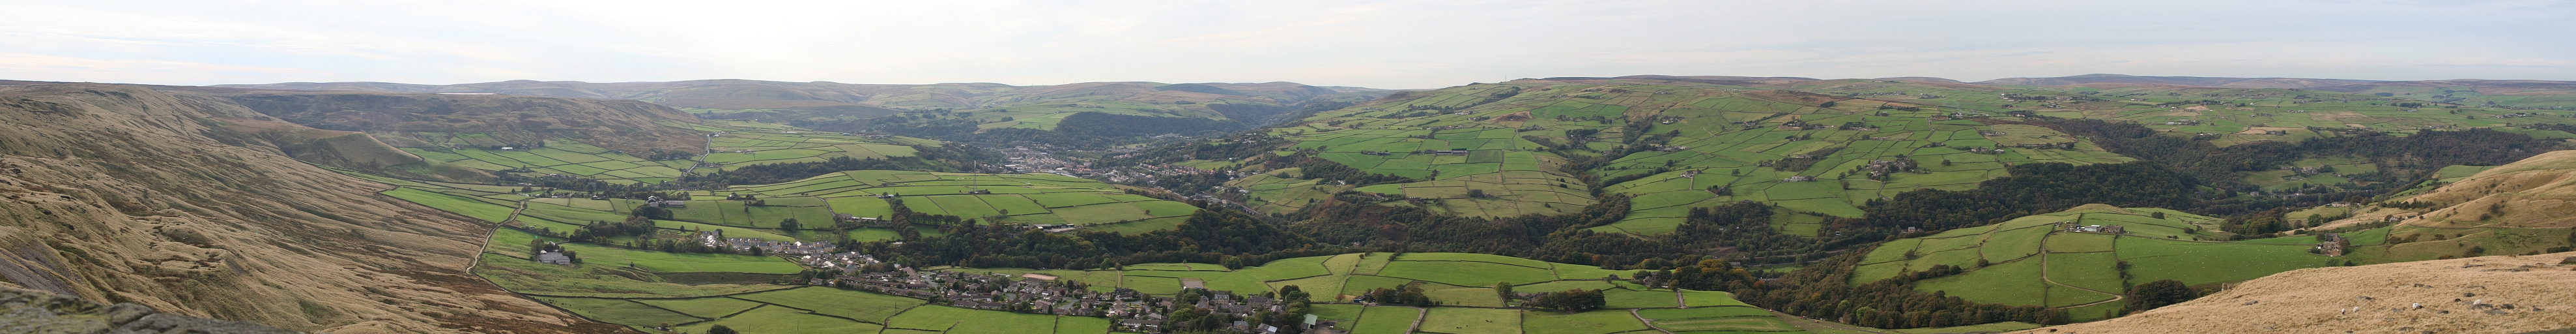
(116, 193)
(2538, 192)
(2380, 298)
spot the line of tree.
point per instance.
(1576, 300)
(1409, 294)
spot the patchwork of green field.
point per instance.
(1460, 279)
(735, 147)
(563, 157)
(2236, 115)
(1818, 160)
(814, 310)
(505, 263)
(2033, 260)
(1499, 149)
(1037, 199)
(1715, 319)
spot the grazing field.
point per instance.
(682, 262)
(1820, 147)
(817, 310)
(711, 307)
(835, 302)
(1471, 320)
(1350, 274)
(1387, 319)
(563, 157)
(2073, 262)
(1038, 199)
(1715, 319)
(451, 203)
(774, 319)
(1594, 322)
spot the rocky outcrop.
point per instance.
(38, 312)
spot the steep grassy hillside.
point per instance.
(122, 193)
(2517, 208)
(1537, 146)
(2038, 260)
(1822, 148)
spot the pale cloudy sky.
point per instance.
(1385, 44)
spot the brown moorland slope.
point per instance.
(2536, 192)
(117, 193)
(2493, 294)
(418, 119)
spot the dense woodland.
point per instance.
(950, 157)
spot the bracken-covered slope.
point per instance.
(121, 193)
(2537, 192)
(2494, 294)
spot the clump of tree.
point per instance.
(2159, 293)
(1577, 300)
(632, 226)
(1409, 294)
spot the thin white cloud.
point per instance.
(1325, 42)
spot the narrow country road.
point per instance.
(496, 229)
(1418, 315)
(1649, 323)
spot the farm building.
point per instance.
(554, 258)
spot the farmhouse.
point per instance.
(657, 201)
(2330, 244)
(554, 258)
(1799, 178)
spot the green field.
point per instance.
(1506, 140)
(1459, 279)
(1594, 322)
(1386, 319)
(1044, 199)
(564, 157)
(2155, 248)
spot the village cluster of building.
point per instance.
(1044, 294)
(717, 239)
(2073, 227)
(1136, 173)
(1027, 160)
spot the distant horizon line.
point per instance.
(1302, 83)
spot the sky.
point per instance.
(1379, 44)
